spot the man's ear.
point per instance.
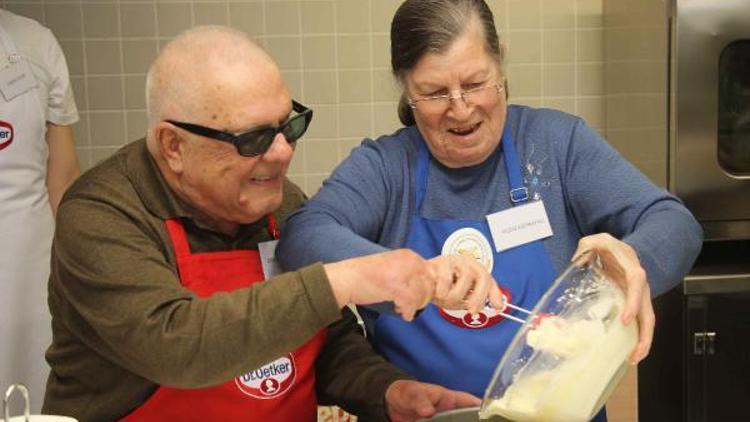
(171, 146)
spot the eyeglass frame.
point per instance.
(449, 96)
(237, 138)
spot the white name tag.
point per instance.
(519, 225)
(268, 261)
(15, 77)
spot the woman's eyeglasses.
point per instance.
(256, 141)
(441, 102)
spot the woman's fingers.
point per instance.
(646, 323)
(462, 283)
(634, 289)
(477, 298)
(443, 272)
(622, 265)
(497, 299)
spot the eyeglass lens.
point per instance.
(258, 142)
(469, 96)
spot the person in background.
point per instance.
(159, 312)
(37, 163)
(519, 189)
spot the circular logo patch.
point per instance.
(472, 243)
(487, 317)
(270, 380)
(6, 134)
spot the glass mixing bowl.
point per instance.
(569, 355)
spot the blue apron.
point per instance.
(458, 351)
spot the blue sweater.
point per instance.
(586, 186)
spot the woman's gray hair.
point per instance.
(420, 27)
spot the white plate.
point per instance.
(468, 414)
(41, 418)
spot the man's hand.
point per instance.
(400, 276)
(621, 263)
(462, 283)
(407, 400)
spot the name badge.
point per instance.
(268, 261)
(15, 77)
(519, 225)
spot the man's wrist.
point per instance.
(340, 281)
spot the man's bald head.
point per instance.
(218, 78)
(194, 73)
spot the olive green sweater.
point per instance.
(123, 324)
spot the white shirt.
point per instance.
(40, 48)
(26, 223)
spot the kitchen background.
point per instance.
(580, 56)
(335, 57)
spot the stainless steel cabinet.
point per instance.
(716, 341)
(699, 366)
(717, 354)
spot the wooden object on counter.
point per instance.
(623, 403)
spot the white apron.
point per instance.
(26, 228)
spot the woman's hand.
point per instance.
(621, 263)
(462, 283)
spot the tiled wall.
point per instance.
(334, 54)
(636, 53)
(635, 75)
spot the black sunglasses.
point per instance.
(257, 141)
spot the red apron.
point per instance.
(282, 390)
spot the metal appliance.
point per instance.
(710, 91)
(710, 171)
(699, 366)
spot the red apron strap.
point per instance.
(273, 227)
(179, 238)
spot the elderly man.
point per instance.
(158, 309)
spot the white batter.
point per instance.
(591, 355)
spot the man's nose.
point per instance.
(280, 149)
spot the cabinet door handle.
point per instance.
(709, 343)
(699, 343)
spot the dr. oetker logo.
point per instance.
(6, 134)
(270, 380)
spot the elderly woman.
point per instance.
(521, 190)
